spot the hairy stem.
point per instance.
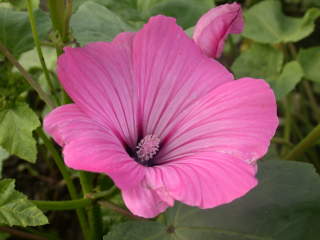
(287, 125)
(92, 210)
(312, 99)
(67, 18)
(66, 176)
(305, 143)
(27, 76)
(72, 204)
(38, 47)
(56, 8)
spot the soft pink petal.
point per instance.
(99, 79)
(238, 118)
(205, 180)
(143, 201)
(214, 27)
(92, 147)
(172, 73)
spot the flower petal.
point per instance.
(205, 180)
(213, 28)
(143, 202)
(99, 79)
(91, 147)
(237, 118)
(171, 72)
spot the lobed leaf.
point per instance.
(138, 231)
(16, 32)
(101, 24)
(291, 74)
(187, 12)
(16, 126)
(284, 206)
(259, 61)
(264, 61)
(266, 23)
(310, 62)
(16, 209)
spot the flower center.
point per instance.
(147, 148)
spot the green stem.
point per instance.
(62, 205)
(85, 182)
(287, 125)
(66, 176)
(305, 143)
(67, 18)
(93, 210)
(279, 140)
(27, 76)
(38, 47)
(56, 8)
(313, 102)
(292, 50)
(71, 204)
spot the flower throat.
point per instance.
(146, 150)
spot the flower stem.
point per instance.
(313, 102)
(56, 8)
(71, 204)
(287, 126)
(62, 205)
(305, 143)
(66, 176)
(27, 76)
(38, 47)
(93, 210)
(67, 18)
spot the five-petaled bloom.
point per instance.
(163, 119)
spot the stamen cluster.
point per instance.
(147, 148)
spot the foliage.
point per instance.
(103, 26)
(281, 207)
(280, 43)
(277, 27)
(16, 31)
(16, 126)
(15, 209)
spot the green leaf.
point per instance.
(16, 209)
(3, 156)
(16, 126)
(187, 12)
(259, 61)
(284, 206)
(266, 23)
(77, 3)
(264, 61)
(310, 62)
(291, 74)
(16, 33)
(22, 4)
(30, 59)
(138, 231)
(100, 23)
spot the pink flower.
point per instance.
(163, 120)
(213, 28)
